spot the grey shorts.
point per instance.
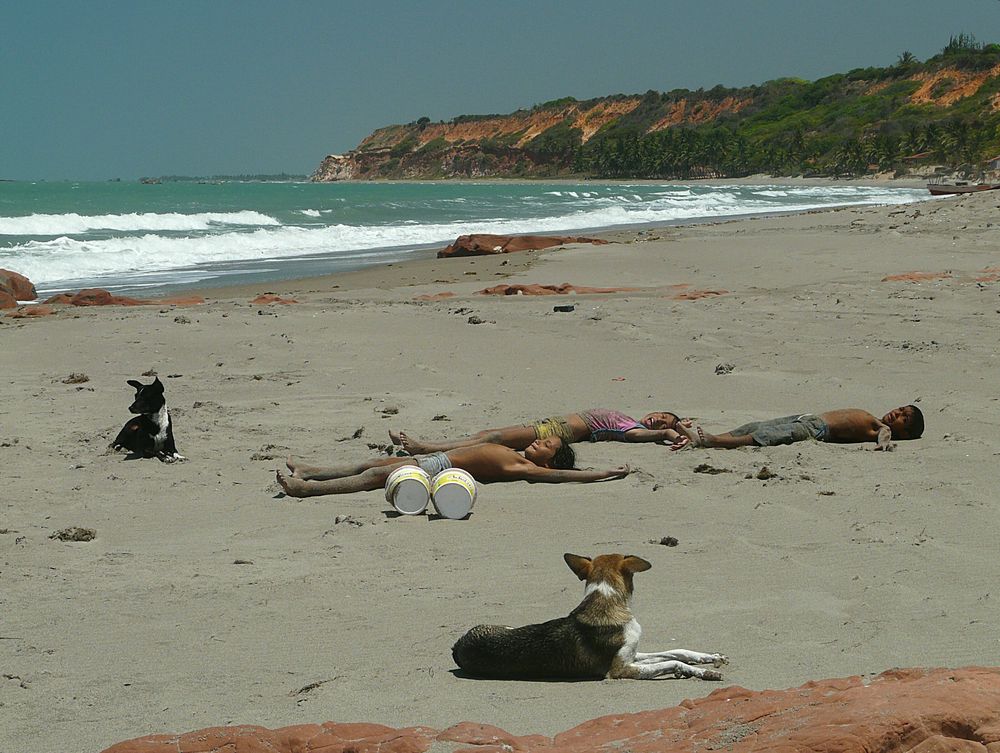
(784, 430)
(433, 463)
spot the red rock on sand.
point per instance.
(18, 285)
(484, 244)
(916, 276)
(899, 711)
(536, 289)
(100, 297)
(269, 298)
(7, 299)
(96, 297)
(694, 295)
(25, 312)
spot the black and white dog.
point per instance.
(150, 434)
(598, 639)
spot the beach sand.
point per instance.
(208, 598)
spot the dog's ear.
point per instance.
(134, 383)
(157, 383)
(579, 565)
(634, 564)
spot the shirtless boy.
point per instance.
(847, 425)
(544, 461)
(595, 425)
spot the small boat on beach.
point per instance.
(959, 186)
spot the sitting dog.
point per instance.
(597, 640)
(150, 434)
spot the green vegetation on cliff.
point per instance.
(912, 114)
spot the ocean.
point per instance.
(150, 239)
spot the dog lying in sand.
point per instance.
(598, 639)
(150, 434)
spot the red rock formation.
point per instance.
(675, 292)
(694, 295)
(25, 312)
(17, 285)
(101, 297)
(484, 244)
(7, 299)
(495, 145)
(916, 276)
(268, 298)
(536, 289)
(900, 711)
(96, 297)
(990, 274)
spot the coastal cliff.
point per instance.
(912, 117)
(523, 143)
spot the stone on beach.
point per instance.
(17, 286)
(102, 297)
(694, 295)
(95, 297)
(916, 276)
(26, 312)
(485, 244)
(900, 710)
(269, 298)
(536, 289)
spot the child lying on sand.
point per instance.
(546, 461)
(596, 425)
(846, 425)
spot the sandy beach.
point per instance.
(209, 598)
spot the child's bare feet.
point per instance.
(411, 444)
(300, 469)
(293, 487)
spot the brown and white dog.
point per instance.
(598, 639)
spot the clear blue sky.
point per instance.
(97, 89)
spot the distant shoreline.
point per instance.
(294, 241)
(752, 180)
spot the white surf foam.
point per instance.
(51, 262)
(78, 224)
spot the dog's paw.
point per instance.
(711, 674)
(719, 659)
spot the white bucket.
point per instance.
(408, 489)
(454, 493)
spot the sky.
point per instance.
(103, 89)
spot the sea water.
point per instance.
(158, 238)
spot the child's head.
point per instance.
(906, 422)
(551, 452)
(659, 420)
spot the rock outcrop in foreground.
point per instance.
(487, 244)
(15, 287)
(900, 711)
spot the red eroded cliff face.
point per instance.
(542, 141)
(491, 146)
